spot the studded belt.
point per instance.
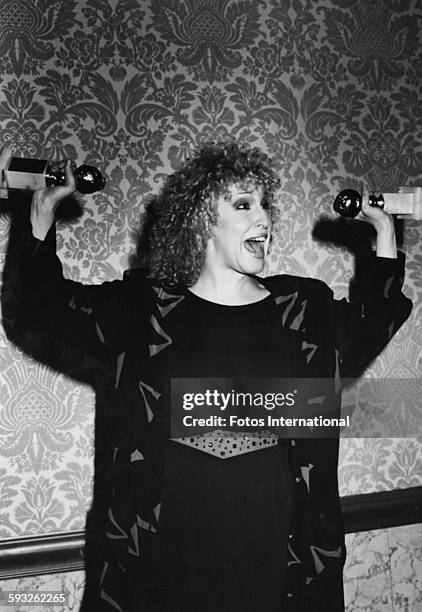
(226, 444)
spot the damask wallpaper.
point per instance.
(330, 88)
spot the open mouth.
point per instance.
(256, 246)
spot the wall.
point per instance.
(331, 90)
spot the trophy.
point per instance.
(32, 174)
(406, 203)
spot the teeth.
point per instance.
(258, 248)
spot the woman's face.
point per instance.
(241, 237)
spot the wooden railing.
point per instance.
(54, 553)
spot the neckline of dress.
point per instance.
(212, 304)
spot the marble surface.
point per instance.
(383, 570)
(405, 551)
(367, 579)
(69, 582)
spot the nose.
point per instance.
(262, 218)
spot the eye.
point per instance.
(242, 205)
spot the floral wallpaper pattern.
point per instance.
(331, 89)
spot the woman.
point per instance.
(260, 530)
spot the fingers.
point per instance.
(365, 198)
(63, 191)
(70, 185)
(372, 214)
(364, 203)
(45, 201)
(5, 155)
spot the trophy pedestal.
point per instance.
(411, 198)
(24, 173)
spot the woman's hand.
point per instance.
(45, 202)
(383, 224)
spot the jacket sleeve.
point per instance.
(377, 308)
(95, 319)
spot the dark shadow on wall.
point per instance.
(23, 329)
(357, 237)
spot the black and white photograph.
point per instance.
(211, 287)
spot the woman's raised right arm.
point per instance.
(95, 319)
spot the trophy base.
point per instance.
(416, 193)
(24, 173)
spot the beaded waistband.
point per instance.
(226, 444)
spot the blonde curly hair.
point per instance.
(185, 212)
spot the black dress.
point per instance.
(222, 541)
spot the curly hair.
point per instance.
(185, 211)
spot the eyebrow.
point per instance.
(230, 198)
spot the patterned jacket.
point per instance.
(127, 324)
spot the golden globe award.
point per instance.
(31, 174)
(406, 203)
